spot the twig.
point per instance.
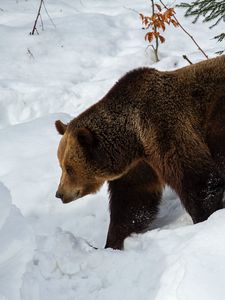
(81, 2)
(38, 15)
(156, 47)
(91, 245)
(30, 53)
(187, 59)
(42, 3)
(42, 24)
(134, 10)
(48, 14)
(199, 48)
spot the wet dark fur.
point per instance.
(155, 128)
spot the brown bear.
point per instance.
(152, 128)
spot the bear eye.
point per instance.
(69, 170)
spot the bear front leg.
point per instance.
(134, 200)
(201, 192)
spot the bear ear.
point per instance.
(60, 127)
(85, 137)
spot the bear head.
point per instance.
(79, 176)
(86, 162)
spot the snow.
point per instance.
(46, 248)
(17, 245)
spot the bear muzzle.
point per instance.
(66, 199)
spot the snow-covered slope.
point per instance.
(185, 263)
(17, 244)
(45, 252)
(67, 68)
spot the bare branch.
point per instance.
(156, 48)
(187, 59)
(30, 53)
(42, 24)
(48, 14)
(38, 15)
(131, 9)
(199, 48)
(42, 4)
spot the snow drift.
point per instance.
(17, 243)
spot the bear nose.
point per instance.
(59, 195)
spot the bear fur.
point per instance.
(152, 128)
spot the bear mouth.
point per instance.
(68, 200)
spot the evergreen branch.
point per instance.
(217, 22)
(220, 37)
(210, 10)
(220, 52)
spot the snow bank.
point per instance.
(185, 263)
(29, 163)
(16, 240)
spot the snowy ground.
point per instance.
(56, 75)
